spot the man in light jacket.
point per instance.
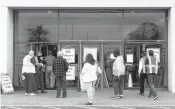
(118, 75)
(142, 73)
(28, 71)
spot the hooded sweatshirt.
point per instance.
(118, 66)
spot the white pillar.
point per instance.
(6, 41)
(171, 50)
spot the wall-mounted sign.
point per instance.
(129, 58)
(6, 84)
(156, 52)
(69, 55)
(92, 51)
(70, 74)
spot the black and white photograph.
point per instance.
(87, 54)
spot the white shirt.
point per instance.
(142, 66)
(89, 72)
(28, 67)
(118, 66)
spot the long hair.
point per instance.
(90, 59)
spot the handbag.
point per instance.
(98, 70)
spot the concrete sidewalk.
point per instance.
(131, 97)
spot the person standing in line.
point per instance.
(28, 71)
(50, 77)
(89, 74)
(39, 77)
(60, 67)
(118, 75)
(142, 73)
(152, 69)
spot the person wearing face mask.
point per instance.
(28, 71)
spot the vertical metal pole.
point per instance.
(102, 66)
(80, 66)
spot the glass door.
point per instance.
(71, 54)
(132, 57)
(109, 60)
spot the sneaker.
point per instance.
(26, 94)
(121, 96)
(43, 92)
(116, 97)
(32, 94)
(155, 98)
(141, 94)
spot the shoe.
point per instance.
(142, 94)
(64, 96)
(121, 96)
(26, 94)
(32, 94)
(58, 97)
(155, 98)
(88, 103)
(43, 92)
(116, 97)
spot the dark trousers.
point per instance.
(29, 82)
(118, 85)
(143, 77)
(152, 91)
(61, 83)
(39, 80)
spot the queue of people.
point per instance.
(33, 69)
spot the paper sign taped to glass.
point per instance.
(92, 51)
(69, 55)
(129, 58)
(70, 74)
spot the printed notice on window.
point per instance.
(70, 74)
(92, 51)
(69, 55)
(129, 58)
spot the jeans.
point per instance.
(61, 83)
(90, 89)
(50, 77)
(118, 85)
(152, 91)
(39, 79)
(29, 82)
(143, 77)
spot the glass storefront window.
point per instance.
(43, 25)
(54, 26)
(142, 24)
(90, 26)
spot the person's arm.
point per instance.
(140, 66)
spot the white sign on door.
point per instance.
(69, 55)
(70, 74)
(92, 51)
